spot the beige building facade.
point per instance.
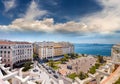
(52, 49)
(115, 53)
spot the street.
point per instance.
(52, 76)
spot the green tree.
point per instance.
(51, 63)
(77, 54)
(72, 76)
(82, 75)
(83, 55)
(27, 66)
(100, 59)
(92, 70)
(35, 56)
(66, 56)
(73, 55)
(63, 60)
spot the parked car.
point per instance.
(53, 71)
(55, 76)
(49, 71)
(35, 70)
(69, 67)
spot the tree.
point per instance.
(66, 56)
(27, 66)
(77, 54)
(92, 70)
(82, 75)
(83, 55)
(63, 60)
(100, 59)
(73, 55)
(35, 56)
(51, 63)
(72, 76)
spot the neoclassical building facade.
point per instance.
(15, 52)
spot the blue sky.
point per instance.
(77, 21)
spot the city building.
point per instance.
(51, 49)
(15, 53)
(115, 53)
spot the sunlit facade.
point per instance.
(116, 53)
(15, 52)
(51, 49)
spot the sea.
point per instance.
(94, 49)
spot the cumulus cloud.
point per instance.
(45, 25)
(105, 21)
(9, 4)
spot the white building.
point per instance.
(51, 49)
(15, 52)
(116, 53)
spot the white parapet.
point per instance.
(9, 76)
(61, 82)
(92, 76)
(115, 62)
(102, 72)
(43, 82)
(78, 80)
(75, 83)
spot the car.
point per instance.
(53, 71)
(35, 70)
(49, 71)
(50, 68)
(46, 68)
(56, 76)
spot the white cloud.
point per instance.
(9, 4)
(105, 21)
(46, 25)
(33, 12)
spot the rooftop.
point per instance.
(12, 42)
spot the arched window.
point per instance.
(5, 47)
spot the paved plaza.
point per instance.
(81, 64)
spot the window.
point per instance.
(1, 47)
(8, 52)
(4, 51)
(5, 47)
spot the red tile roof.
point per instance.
(13, 42)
